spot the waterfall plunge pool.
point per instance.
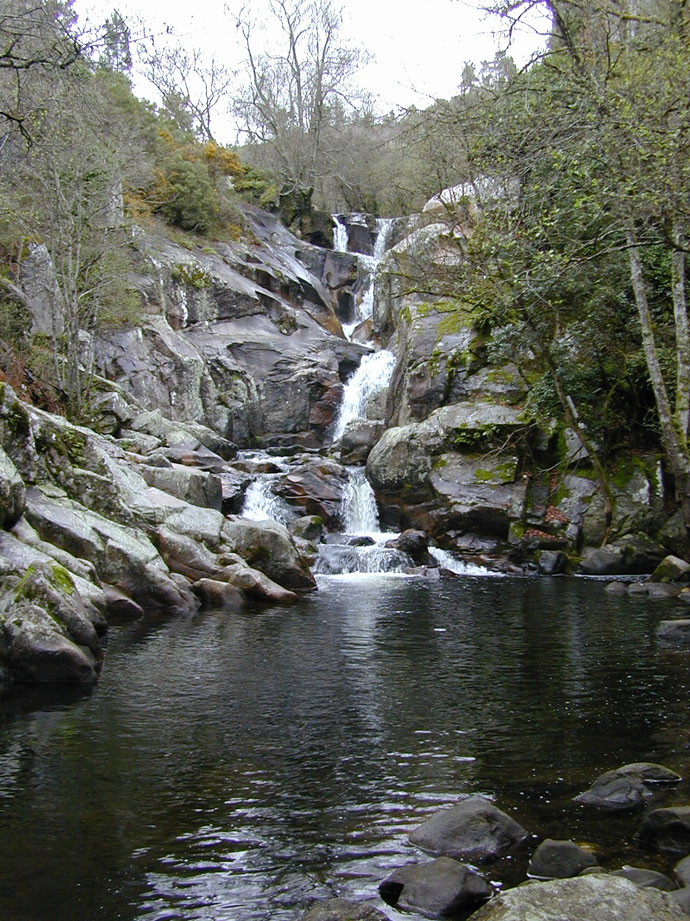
(238, 766)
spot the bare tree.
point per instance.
(294, 94)
(189, 83)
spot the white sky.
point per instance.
(419, 48)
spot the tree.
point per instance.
(191, 86)
(62, 226)
(293, 94)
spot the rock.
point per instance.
(233, 486)
(190, 485)
(45, 634)
(122, 557)
(646, 879)
(474, 829)
(342, 910)
(632, 554)
(219, 595)
(309, 527)
(682, 871)
(415, 544)
(12, 492)
(681, 897)
(316, 488)
(120, 605)
(666, 830)
(255, 584)
(559, 860)
(359, 438)
(672, 569)
(626, 787)
(595, 897)
(268, 547)
(184, 555)
(616, 588)
(661, 591)
(442, 887)
(674, 631)
(552, 562)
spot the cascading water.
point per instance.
(365, 305)
(260, 501)
(372, 376)
(359, 512)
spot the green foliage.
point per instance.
(189, 198)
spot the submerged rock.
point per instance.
(595, 897)
(441, 887)
(666, 830)
(343, 910)
(646, 879)
(674, 631)
(475, 829)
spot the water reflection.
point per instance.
(236, 766)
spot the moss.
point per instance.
(473, 437)
(483, 476)
(194, 276)
(625, 469)
(62, 579)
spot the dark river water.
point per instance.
(239, 766)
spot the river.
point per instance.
(238, 766)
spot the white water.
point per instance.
(359, 512)
(365, 305)
(447, 561)
(340, 240)
(261, 503)
(372, 376)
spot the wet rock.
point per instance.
(415, 544)
(626, 787)
(646, 879)
(662, 591)
(343, 910)
(233, 486)
(218, 595)
(475, 829)
(616, 588)
(666, 830)
(184, 555)
(672, 569)
(559, 860)
(681, 897)
(442, 887)
(595, 897)
(674, 631)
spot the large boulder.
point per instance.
(626, 787)
(194, 486)
(441, 887)
(268, 547)
(45, 633)
(475, 829)
(596, 897)
(672, 569)
(315, 488)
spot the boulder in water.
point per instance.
(559, 860)
(475, 829)
(666, 830)
(626, 787)
(343, 910)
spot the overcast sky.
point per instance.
(419, 49)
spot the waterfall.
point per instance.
(373, 375)
(340, 239)
(359, 512)
(447, 561)
(261, 503)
